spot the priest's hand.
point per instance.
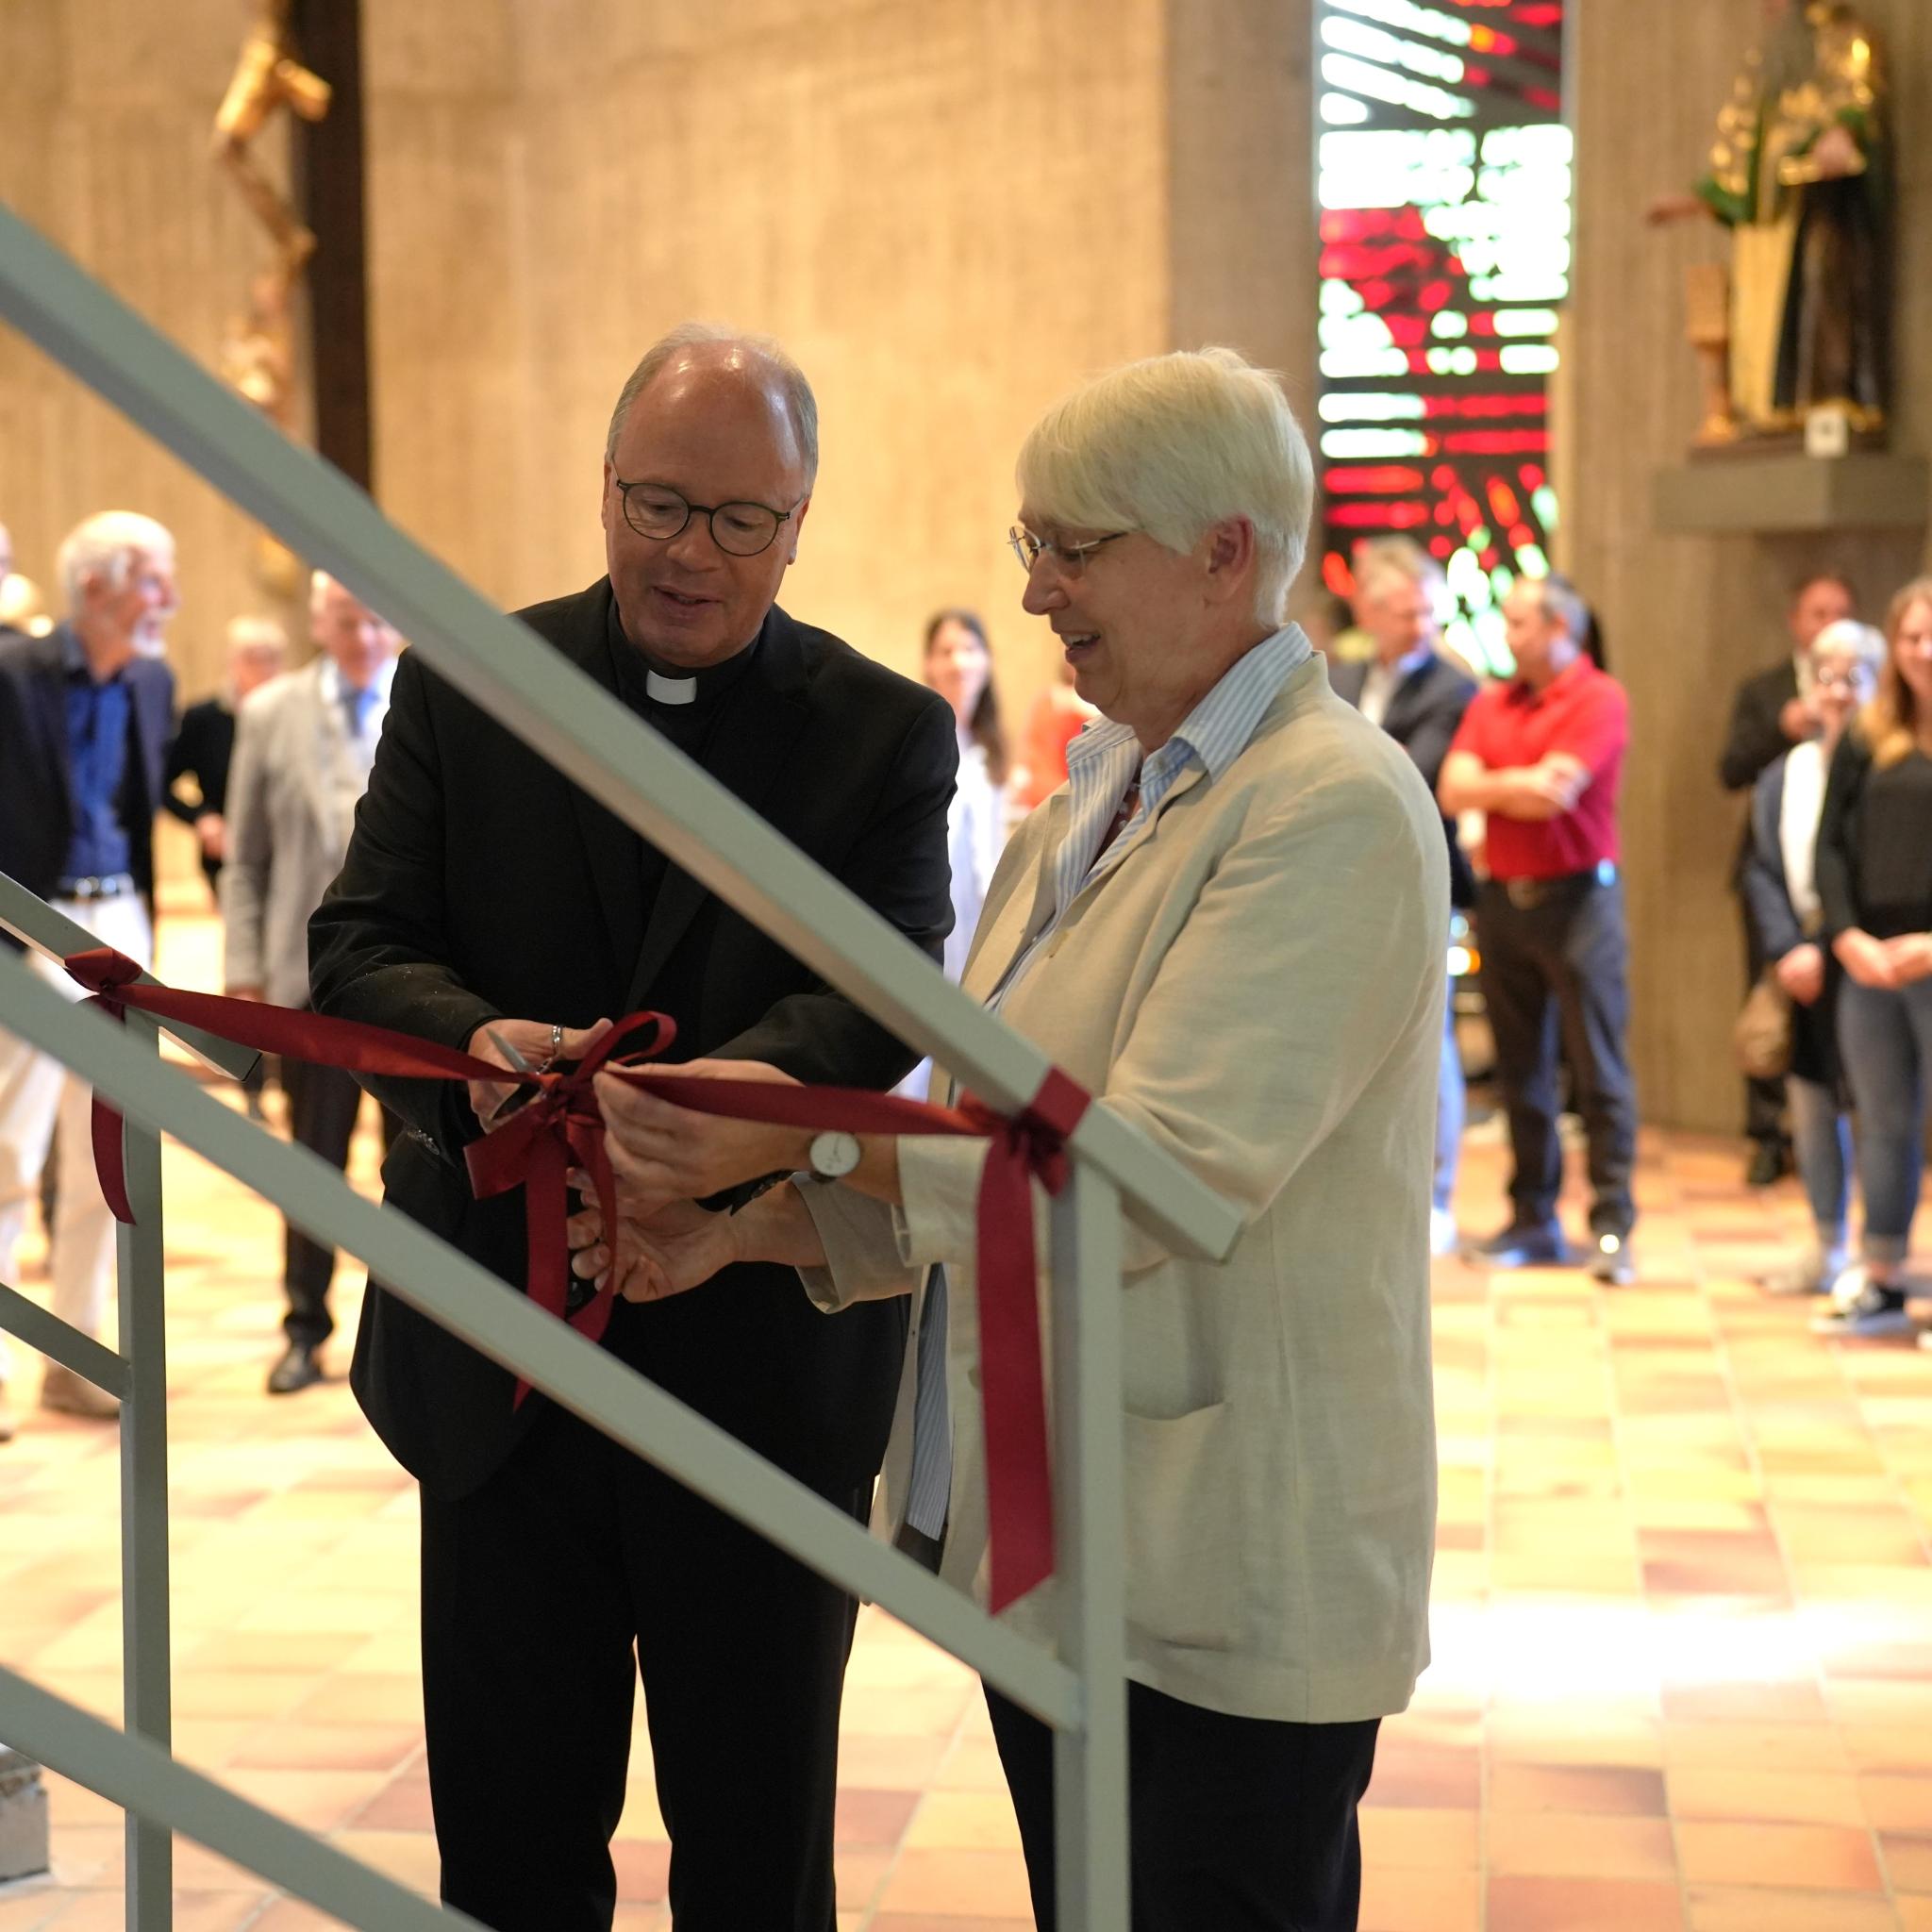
(660, 1151)
(534, 1040)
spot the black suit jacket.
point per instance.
(204, 746)
(36, 765)
(1755, 738)
(1424, 713)
(481, 883)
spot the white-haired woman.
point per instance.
(1874, 878)
(1780, 889)
(1230, 929)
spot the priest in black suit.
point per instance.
(483, 888)
(1417, 697)
(1771, 712)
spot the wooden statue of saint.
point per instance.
(1799, 175)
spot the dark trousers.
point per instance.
(1764, 1098)
(323, 1102)
(1562, 966)
(545, 1593)
(1237, 1823)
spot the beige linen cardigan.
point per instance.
(1257, 985)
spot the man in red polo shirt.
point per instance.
(1542, 756)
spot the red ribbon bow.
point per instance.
(562, 1128)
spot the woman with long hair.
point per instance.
(1874, 878)
(958, 664)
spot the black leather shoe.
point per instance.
(1523, 1245)
(296, 1370)
(1770, 1160)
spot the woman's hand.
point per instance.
(675, 1249)
(1868, 960)
(1801, 973)
(660, 1151)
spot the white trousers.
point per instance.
(38, 1097)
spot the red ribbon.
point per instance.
(562, 1129)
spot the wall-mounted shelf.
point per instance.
(1738, 492)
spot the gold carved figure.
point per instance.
(1798, 175)
(258, 356)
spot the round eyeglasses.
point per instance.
(740, 529)
(1070, 558)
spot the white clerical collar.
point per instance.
(671, 690)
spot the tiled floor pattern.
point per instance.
(1683, 1613)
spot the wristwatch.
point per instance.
(833, 1155)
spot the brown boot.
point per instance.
(71, 1394)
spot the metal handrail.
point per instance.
(711, 834)
(568, 717)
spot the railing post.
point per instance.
(1091, 1762)
(145, 1648)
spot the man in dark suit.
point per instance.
(1417, 697)
(1774, 709)
(205, 744)
(481, 888)
(85, 715)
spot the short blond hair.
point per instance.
(105, 546)
(1172, 445)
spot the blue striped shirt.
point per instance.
(1101, 764)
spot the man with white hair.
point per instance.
(1417, 697)
(487, 897)
(1542, 755)
(85, 714)
(304, 747)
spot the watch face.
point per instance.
(833, 1155)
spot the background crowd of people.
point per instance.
(1831, 744)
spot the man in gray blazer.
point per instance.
(304, 746)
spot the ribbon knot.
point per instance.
(561, 1126)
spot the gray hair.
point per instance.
(1561, 603)
(249, 637)
(1845, 637)
(105, 546)
(783, 372)
(1384, 557)
(1172, 445)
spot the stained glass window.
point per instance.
(1443, 181)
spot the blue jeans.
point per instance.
(1886, 1040)
(1822, 1140)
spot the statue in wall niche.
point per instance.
(1799, 177)
(258, 354)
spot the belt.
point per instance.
(114, 885)
(1525, 893)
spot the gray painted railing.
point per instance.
(734, 853)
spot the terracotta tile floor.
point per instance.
(1683, 1611)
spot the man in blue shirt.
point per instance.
(85, 714)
